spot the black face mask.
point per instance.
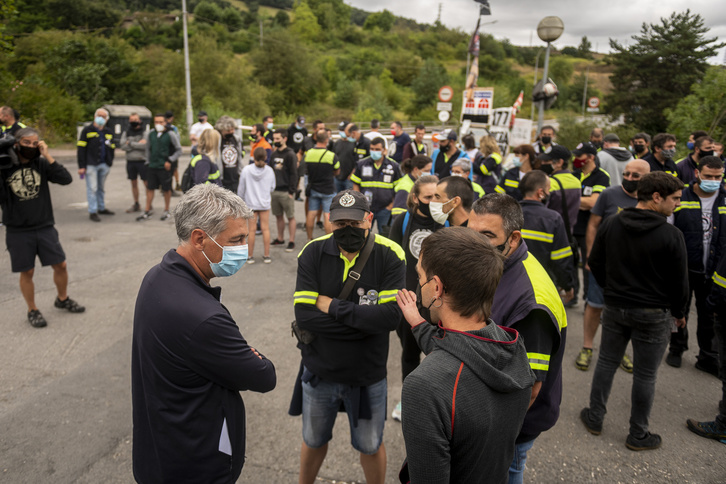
(424, 209)
(547, 168)
(546, 199)
(546, 140)
(703, 154)
(350, 239)
(201, 120)
(630, 186)
(28, 152)
(503, 246)
(597, 144)
(278, 144)
(639, 148)
(135, 124)
(424, 311)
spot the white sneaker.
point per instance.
(396, 414)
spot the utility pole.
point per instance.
(584, 91)
(186, 67)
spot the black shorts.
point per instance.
(24, 246)
(174, 166)
(158, 177)
(136, 169)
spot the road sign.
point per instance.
(443, 116)
(444, 106)
(446, 94)
(593, 102)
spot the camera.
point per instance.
(8, 158)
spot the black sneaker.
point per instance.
(36, 319)
(94, 216)
(166, 216)
(290, 247)
(106, 211)
(708, 366)
(277, 242)
(144, 216)
(320, 225)
(134, 208)
(69, 305)
(595, 428)
(649, 442)
(674, 359)
(707, 429)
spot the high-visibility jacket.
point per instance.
(689, 219)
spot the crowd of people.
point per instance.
(470, 263)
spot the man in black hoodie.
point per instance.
(465, 403)
(640, 261)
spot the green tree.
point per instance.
(7, 12)
(704, 108)
(382, 20)
(282, 19)
(659, 69)
(585, 48)
(208, 12)
(426, 85)
(305, 24)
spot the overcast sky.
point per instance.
(517, 19)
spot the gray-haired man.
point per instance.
(188, 352)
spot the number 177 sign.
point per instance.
(478, 107)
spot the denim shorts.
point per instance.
(594, 297)
(317, 200)
(320, 408)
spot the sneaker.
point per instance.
(175, 193)
(626, 364)
(649, 442)
(36, 319)
(277, 242)
(144, 216)
(258, 232)
(320, 225)
(595, 428)
(674, 359)
(396, 414)
(266, 259)
(707, 429)
(290, 247)
(106, 211)
(571, 303)
(166, 216)
(583, 359)
(709, 366)
(94, 216)
(250, 261)
(69, 304)
(134, 208)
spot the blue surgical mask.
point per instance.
(690, 145)
(376, 155)
(270, 126)
(709, 186)
(516, 162)
(342, 134)
(100, 120)
(233, 258)
(351, 139)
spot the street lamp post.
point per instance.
(186, 67)
(534, 83)
(549, 29)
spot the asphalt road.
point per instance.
(65, 403)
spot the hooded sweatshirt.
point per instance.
(256, 185)
(464, 404)
(640, 261)
(613, 161)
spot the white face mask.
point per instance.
(437, 212)
(159, 127)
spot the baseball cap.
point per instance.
(558, 152)
(301, 120)
(585, 148)
(449, 134)
(349, 205)
(611, 137)
(169, 114)
(342, 125)
(202, 113)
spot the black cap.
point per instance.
(558, 152)
(301, 120)
(202, 113)
(342, 125)
(169, 114)
(585, 148)
(349, 205)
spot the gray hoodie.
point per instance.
(464, 404)
(613, 161)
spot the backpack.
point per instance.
(187, 181)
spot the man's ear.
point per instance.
(196, 240)
(516, 239)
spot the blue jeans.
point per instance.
(95, 178)
(320, 407)
(341, 185)
(317, 200)
(382, 218)
(650, 331)
(516, 468)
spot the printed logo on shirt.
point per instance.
(297, 137)
(229, 156)
(367, 171)
(25, 183)
(278, 163)
(415, 241)
(586, 191)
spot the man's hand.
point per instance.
(681, 322)
(81, 171)
(142, 141)
(43, 149)
(255, 352)
(407, 302)
(167, 166)
(567, 297)
(291, 195)
(323, 303)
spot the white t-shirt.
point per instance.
(371, 135)
(198, 128)
(707, 221)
